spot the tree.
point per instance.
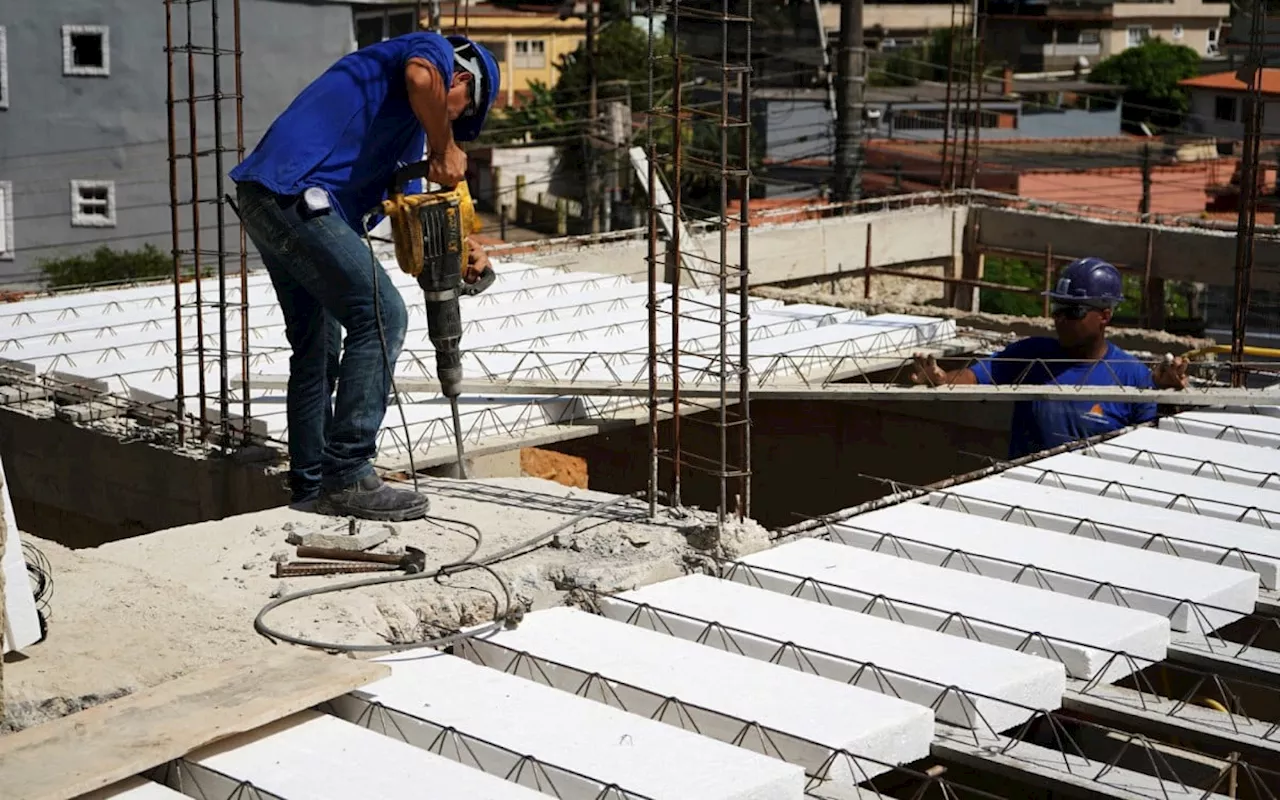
(1150, 75)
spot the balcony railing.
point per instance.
(1063, 50)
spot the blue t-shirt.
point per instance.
(1041, 424)
(350, 129)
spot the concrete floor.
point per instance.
(133, 613)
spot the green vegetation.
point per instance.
(1150, 76)
(1016, 272)
(105, 265)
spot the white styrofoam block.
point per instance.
(1158, 487)
(1155, 582)
(809, 715)
(1194, 455)
(606, 744)
(1083, 635)
(317, 756)
(1259, 430)
(134, 788)
(1160, 530)
(914, 664)
(22, 621)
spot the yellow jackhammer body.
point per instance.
(430, 231)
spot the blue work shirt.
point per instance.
(350, 129)
(1041, 424)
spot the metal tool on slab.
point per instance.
(412, 560)
(302, 569)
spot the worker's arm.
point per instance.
(428, 97)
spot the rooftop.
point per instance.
(1229, 82)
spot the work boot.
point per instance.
(370, 498)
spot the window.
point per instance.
(93, 204)
(1177, 32)
(6, 221)
(86, 50)
(378, 26)
(4, 73)
(530, 54)
(1211, 42)
(1090, 37)
(1224, 108)
(1138, 34)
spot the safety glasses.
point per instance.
(1072, 311)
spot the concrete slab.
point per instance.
(889, 657)
(1058, 562)
(1157, 487)
(809, 717)
(1083, 635)
(317, 756)
(1192, 455)
(1261, 430)
(1160, 530)
(133, 789)
(606, 745)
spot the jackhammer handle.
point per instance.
(347, 555)
(487, 277)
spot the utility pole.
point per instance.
(593, 117)
(850, 103)
(1145, 207)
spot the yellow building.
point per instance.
(527, 43)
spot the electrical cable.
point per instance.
(509, 614)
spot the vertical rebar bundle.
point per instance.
(1249, 185)
(199, 46)
(710, 153)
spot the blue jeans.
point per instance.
(324, 276)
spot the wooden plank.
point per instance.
(67, 757)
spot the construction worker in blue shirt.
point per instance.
(1083, 301)
(324, 163)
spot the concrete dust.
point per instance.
(113, 629)
(156, 602)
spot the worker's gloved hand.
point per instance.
(1170, 373)
(449, 167)
(477, 260)
(925, 371)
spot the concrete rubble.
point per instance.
(133, 613)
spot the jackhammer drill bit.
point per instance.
(457, 437)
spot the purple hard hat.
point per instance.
(1089, 281)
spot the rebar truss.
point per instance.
(1064, 765)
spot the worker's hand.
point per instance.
(477, 260)
(1170, 373)
(925, 371)
(449, 167)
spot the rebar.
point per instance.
(208, 59)
(724, 168)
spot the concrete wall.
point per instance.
(808, 456)
(1182, 254)
(60, 128)
(809, 249)
(81, 487)
(1066, 123)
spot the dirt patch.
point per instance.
(549, 465)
